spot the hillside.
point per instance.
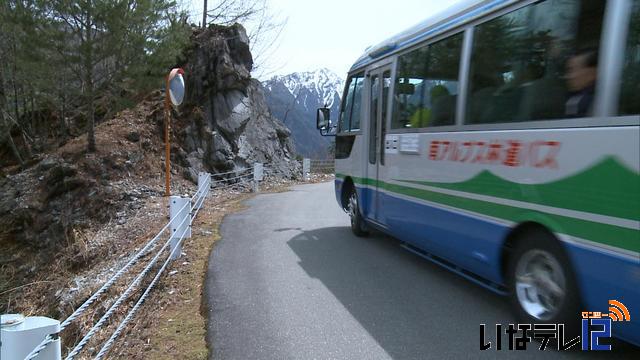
(69, 211)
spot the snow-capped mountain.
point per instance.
(294, 99)
(323, 82)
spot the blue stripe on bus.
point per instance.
(469, 241)
(602, 277)
(476, 244)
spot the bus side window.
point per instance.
(630, 91)
(373, 118)
(427, 85)
(350, 113)
(536, 63)
(344, 120)
(357, 102)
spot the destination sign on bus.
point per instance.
(539, 153)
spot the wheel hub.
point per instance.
(353, 207)
(540, 284)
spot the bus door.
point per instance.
(379, 84)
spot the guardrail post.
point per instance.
(204, 180)
(258, 174)
(180, 212)
(20, 339)
(306, 168)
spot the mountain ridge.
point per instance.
(323, 81)
(294, 98)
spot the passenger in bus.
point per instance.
(581, 73)
(422, 117)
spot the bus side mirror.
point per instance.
(323, 116)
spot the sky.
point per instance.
(331, 33)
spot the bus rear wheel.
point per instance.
(358, 225)
(542, 283)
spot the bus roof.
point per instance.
(456, 15)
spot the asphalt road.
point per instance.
(288, 280)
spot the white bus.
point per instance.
(501, 139)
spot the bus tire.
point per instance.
(358, 226)
(542, 283)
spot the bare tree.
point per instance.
(229, 12)
(264, 26)
(290, 106)
(5, 124)
(264, 37)
(204, 15)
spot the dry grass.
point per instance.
(31, 277)
(172, 324)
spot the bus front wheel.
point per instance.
(542, 283)
(358, 225)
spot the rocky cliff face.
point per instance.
(227, 123)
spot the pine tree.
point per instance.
(81, 60)
(109, 41)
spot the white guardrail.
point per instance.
(42, 334)
(322, 166)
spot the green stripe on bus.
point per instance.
(615, 236)
(618, 196)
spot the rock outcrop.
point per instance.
(226, 122)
